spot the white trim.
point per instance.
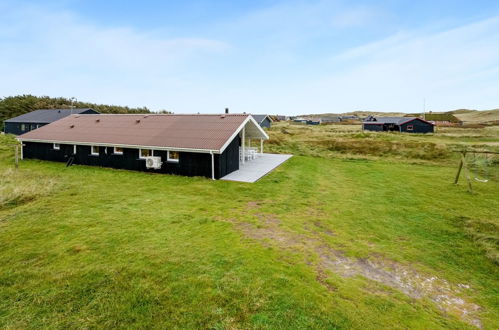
(212, 166)
(92, 153)
(140, 153)
(117, 152)
(173, 160)
(129, 146)
(22, 151)
(58, 146)
(249, 118)
(134, 146)
(74, 149)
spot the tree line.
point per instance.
(13, 106)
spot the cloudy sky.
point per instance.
(278, 57)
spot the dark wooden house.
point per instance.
(397, 124)
(191, 145)
(263, 120)
(38, 118)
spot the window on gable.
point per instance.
(173, 156)
(143, 153)
(94, 151)
(410, 127)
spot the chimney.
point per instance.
(226, 110)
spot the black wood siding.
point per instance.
(15, 128)
(373, 127)
(419, 126)
(189, 164)
(266, 123)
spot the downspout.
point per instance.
(212, 165)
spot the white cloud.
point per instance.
(58, 53)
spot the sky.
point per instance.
(276, 57)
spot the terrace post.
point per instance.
(261, 146)
(243, 142)
(212, 165)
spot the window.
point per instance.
(23, 127)
(57, 146)
(118, 151)
(143, 153)
(94, 150)
(173, 156)
(410, 127)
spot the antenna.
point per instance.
(424, 108)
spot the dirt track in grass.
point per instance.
(450, 298)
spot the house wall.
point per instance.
(15, 128)
(373, 127)
(266, 123)
(419, 126)
(189, 164)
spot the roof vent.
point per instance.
(222, 116)
(137, 121)
(77, 116)
(72, 126)
(97, 120)
(59, 111)
(146, 116)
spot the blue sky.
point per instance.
(278, 57)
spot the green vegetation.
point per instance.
(14, 106)
(321, 242)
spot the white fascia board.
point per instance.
(249, 118)
(205, 151)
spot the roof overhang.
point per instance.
(252, 131)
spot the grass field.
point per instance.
(368, 236)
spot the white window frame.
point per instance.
(140, 153)
(410, 127)
(117, 152)
(172, 160)
(23, 127)
(92, 151)
(56, 146)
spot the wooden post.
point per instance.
(261, 146)
(460, 167)
(466, 171)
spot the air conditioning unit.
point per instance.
(153, 162)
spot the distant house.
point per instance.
(191, 145)
(443, 119)
(397, 124)
(38, 118)
(263, 120)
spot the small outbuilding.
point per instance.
(38, 118)
(192, 145)
(397, 124)
(263, 120)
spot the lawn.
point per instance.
(331, 239)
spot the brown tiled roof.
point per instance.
(206, 132)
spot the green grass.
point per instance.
(109, 248)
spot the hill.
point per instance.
(465, 115)
(476, 116)
(13, 106)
